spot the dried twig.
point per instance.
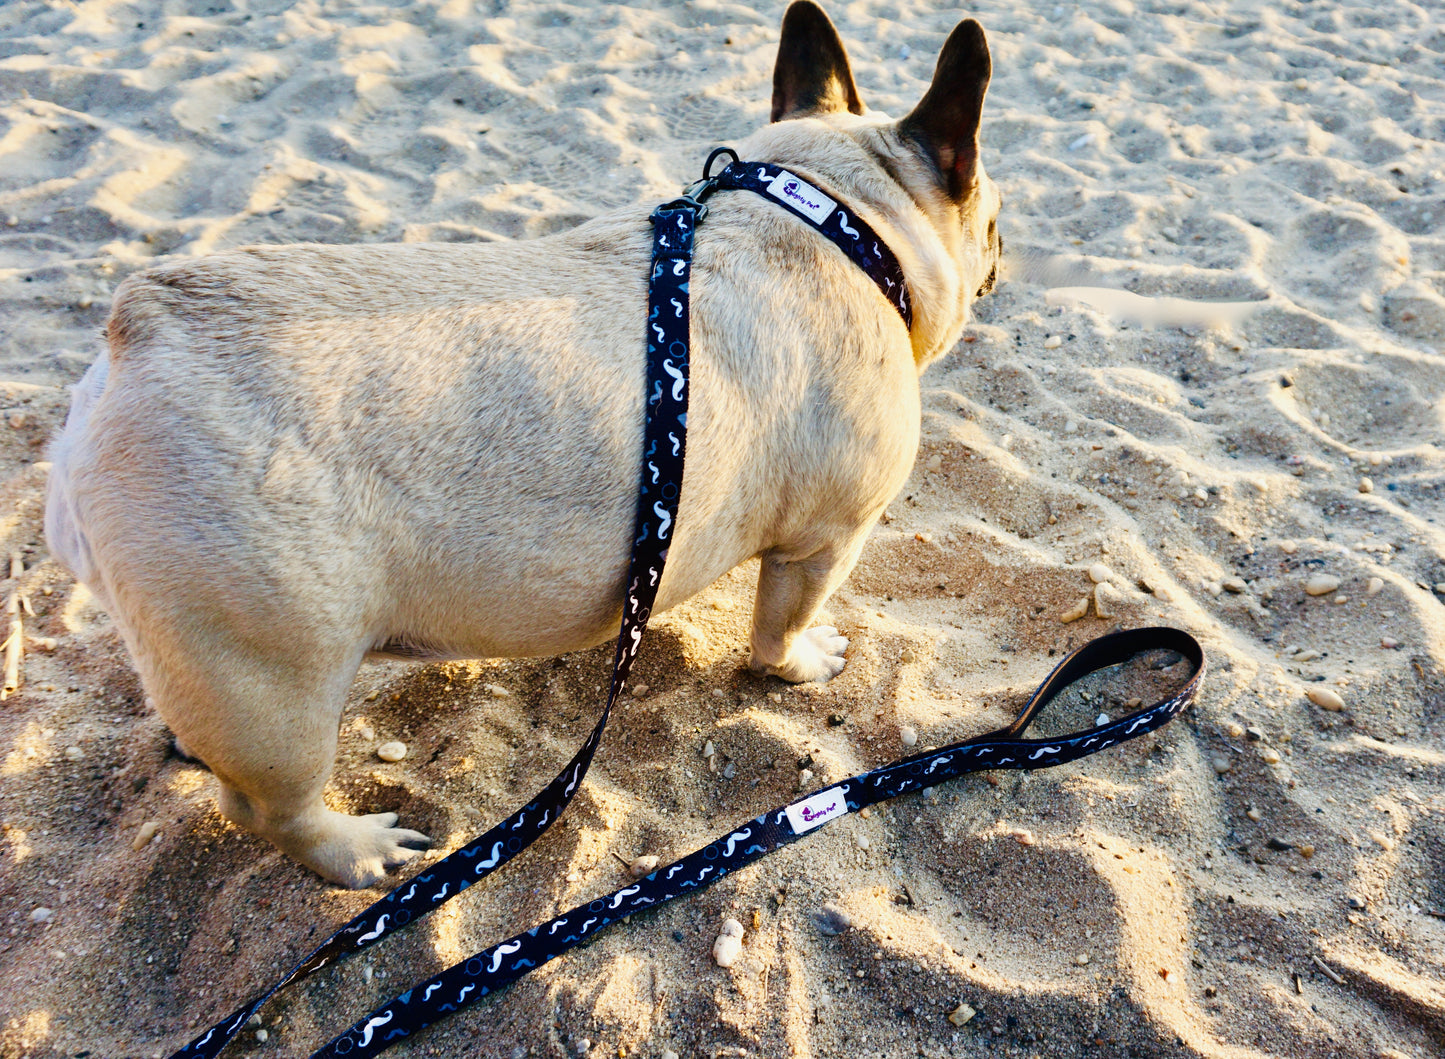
(1328, 972)
(15, 639)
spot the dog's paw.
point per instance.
(816, 655)
(358, 850)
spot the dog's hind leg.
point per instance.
(791, 589)
(265, 722)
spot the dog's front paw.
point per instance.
(816, 655)
(358, 850)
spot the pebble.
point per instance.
(1077, 611)
(1305, 850)
(907, 655)
(1269, 756)
(1099, 573)
(804, 778)
(1288, 547)
(863, 841)
(1102, 719)
(583, 1046)
(668, 1053)
(640, 691)
(1254, 814)
(1373, 586)
(832, 920)
(1105, 597)
(1053, 342)
(41, 915)
(1235, 585)
(729, 944)
(1389, 643)
(961, 1015)
(1366, 486)
(1321, 584)
(1082, 959)
(934, 463)
(1256, 735)
(1326, 699)
(1025, 837)
(1279, 845)
(643, 866)
(496, 691)
(837, 720)
(708, 750)
(1233, 730)
(74, 753)
(144, 835)
(1222, 765)
(1356, 903)
(392, 750)
(907, 736)
(262, 1035)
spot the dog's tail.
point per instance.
(64, 528)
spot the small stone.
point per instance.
(1102, 720)
(262, 1035)
(74, 753)
(863, 841)
(1269, 755)
(1233, 729)
(639, 691)
(723, 604)
(645, 865)
(144, 835)
(1368, 303)
(1389, 643)
(1366, 486)
(1222, 765)
(1082, 959)
(366, 732)
(1099, 573)
(1025, 837)
(1236, 585)
(392, 750)
(907, 655)
(907, 736)
(775, 697)
(1105, 598)
(729, 944)
(371, 695)
(41, 915)
(832, 920)
(837, 720)
(1326, 699)
(718, 693)
(496, 691)
(1321, 584)
(961, 1015)
(708, 750)
(804, 778)
(1288, 547)
(1254, 814)
(583, 1046)
(1256, 735)
(1373, 586)
(1077, 611)
(1355, 903)
(730, 770)
(1053, 342)
(1305, 850)
(934, 463)
(668, 1053)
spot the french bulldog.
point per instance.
(291, 458)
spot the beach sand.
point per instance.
(1212, 459)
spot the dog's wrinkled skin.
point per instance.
(296, 456)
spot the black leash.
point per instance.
(664, 442)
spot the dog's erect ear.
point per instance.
(945, 122)
(812, 75)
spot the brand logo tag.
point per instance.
(802, 196)
(817, 809)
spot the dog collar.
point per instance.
(854, 236)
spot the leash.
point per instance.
(664, 445)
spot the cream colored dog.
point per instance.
(294, 457)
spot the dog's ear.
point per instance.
(945, 122)
(812, 75)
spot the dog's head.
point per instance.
(931, 156)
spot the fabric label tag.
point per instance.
(817, 809)
(802, 196)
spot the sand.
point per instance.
(1283, 154)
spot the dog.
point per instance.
(292, 458)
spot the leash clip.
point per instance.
(693, 195)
